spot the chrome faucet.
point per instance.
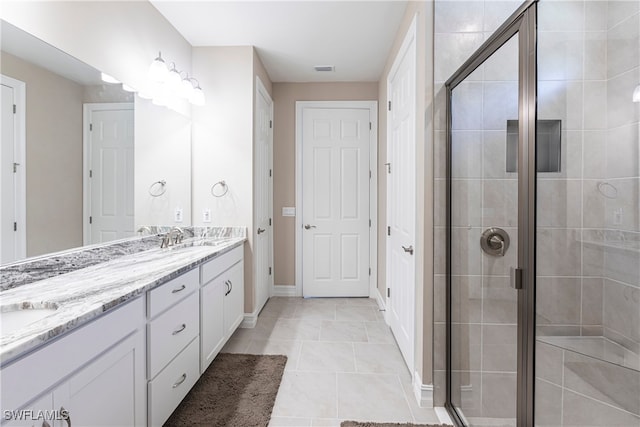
(167, 239)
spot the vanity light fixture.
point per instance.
(127, 88)
(158, 69)
(168, 82)
(108, 79)
(636, 94)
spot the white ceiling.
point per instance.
(292, 37)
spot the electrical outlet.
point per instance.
(178, 215)
(617, 216)
(206, 215)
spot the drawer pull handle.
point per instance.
(182, 288)
(65, 416)
(180, 381)
(182, 328)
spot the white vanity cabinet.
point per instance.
(173, 342)
(221, 302)
(95, 373)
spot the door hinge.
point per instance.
(369, 223)
(15, 167)
(389, 105)
(90, 127)
(369, 271)
(388, 230)
(369, 174)
(90, 220)
(90, 173)
(270, 124)
(388, 292)
(15, 226)
(269, 271)
(270, 172)
(269, 221)
(14, 108)
(369, 125)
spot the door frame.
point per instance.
(87, 112)
(372, 106)
(523, 22)
(20, 153)
(261, 90)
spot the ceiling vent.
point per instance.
(324, 68)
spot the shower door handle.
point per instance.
(516, 278)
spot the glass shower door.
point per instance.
(483, 221)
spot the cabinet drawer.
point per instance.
(173, 384)
(218, 265)
(172, 331)
(171, 292)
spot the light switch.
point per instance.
(178, 215)
(288, 211)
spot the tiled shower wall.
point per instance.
(460, 28)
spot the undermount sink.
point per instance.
(17, 316)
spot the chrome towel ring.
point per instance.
(221, 191)
(158, 188)
(607, 190)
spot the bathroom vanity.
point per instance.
(120, 342)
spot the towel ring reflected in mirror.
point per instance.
(158, 188)
(219, 189)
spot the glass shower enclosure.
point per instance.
(543, 198)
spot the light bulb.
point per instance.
(197, 97)
(108, 79)
(174, 81)
(636, 94)
(187, 88)
(158, 70)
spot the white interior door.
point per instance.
(111, 174)
(12, 172)
(263, 235)
(401, 198)
(335, 202)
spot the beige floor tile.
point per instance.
(316, 311)
(372, 397)
(379, 358)
(289, 422)
(342, 330)
(327, 357)
(362, 313)
(289, 348)
(356, 301)
(379, 332)
(307, 394)
(236, 345)
(296, 329)
(326, 422)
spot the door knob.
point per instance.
(409, 249)
(261, 230)
(307, 227)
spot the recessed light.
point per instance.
(323, 68)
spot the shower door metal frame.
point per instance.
(523, 22)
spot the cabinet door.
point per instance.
(234, 300)
(110, 391)
(212, 332)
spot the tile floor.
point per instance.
(343, 363)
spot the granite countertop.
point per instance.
(86, 292)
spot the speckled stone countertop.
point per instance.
(86, 289)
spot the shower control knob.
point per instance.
(494, 241)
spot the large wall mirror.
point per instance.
(80, 155)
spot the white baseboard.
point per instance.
(285, 291)
(423, 392)
(443, 415)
